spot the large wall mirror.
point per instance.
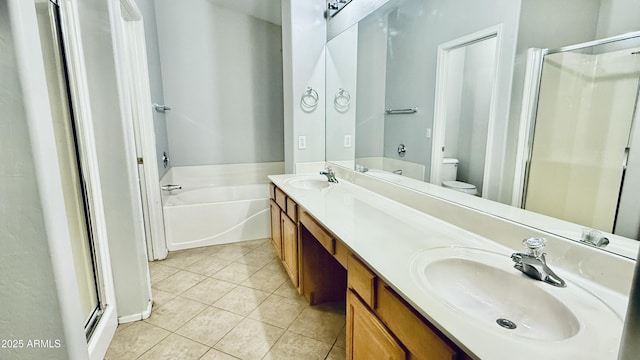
(447, 94)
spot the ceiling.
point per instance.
(267, 10)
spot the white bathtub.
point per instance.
(213, 215)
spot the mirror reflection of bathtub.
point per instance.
(217, 204)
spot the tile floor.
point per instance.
(230, 302)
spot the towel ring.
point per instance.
(342, 100)
(309, 99)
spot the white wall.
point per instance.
(147, 8)
(419, 27)
(303, 53)
(372, 67)
(222, 78)
(618, 17)
(116, 158)
(475, 111)
(341, 73)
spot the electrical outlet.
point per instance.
(347, 141)
(429, 133)
(302, 142)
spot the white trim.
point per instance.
(137, 317)
(439, 119)
(533, 71)
(103, 334)
(144, 132)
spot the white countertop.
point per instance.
(387, 236)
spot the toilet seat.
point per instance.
(460, 186)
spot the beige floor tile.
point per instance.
(337, 353)
(175, 313)
(231, 252)
(266, 280)
(253, 244)
(159, 271)
(209, 265)
(161, 297)
(175, 347)
(274, 265)
(214, 354)
(236, 273)
(209, 326)
(268, 247)
(134, 339)
(294, 347)
(209, 290)
(279, 311)
(341, 341)
(179, 282)
(241, 300)
(249, 340)
(321, 322)
(287, 290)
(257, 258)
(183, 258)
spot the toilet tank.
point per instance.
(449, 169)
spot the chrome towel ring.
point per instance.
(309, 99)
(342, 100)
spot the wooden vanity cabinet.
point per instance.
(367, 337)
(380, 324)
(276, 229)
(284, 231)
(417, 337)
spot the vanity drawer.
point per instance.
(422, 341)
(361, 280)
(327, 241)
(292, 209)
(281, 198)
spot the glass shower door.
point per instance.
(69, 159)
(586, 105)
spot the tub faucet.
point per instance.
(534, 263)
(170, 187)
(331, 176)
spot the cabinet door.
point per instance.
(276, 231)
(367, 337)
(290, 248)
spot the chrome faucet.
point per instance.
(534, 263)
(170, 187)
(331, 176)
(594, 238)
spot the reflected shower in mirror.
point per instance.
(483, 121)
(582, 142)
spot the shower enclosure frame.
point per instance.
(533, 76)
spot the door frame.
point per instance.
(440, 113)
(33, 81)
(533, 74)
(137, 73)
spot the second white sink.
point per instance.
(483, 286)
(308, 183)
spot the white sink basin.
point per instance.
(309, 183)
(483, 286)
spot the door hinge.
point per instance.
(140, 161)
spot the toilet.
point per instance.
(449, 174)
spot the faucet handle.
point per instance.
(535, 245)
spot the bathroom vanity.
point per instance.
(417, 287)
